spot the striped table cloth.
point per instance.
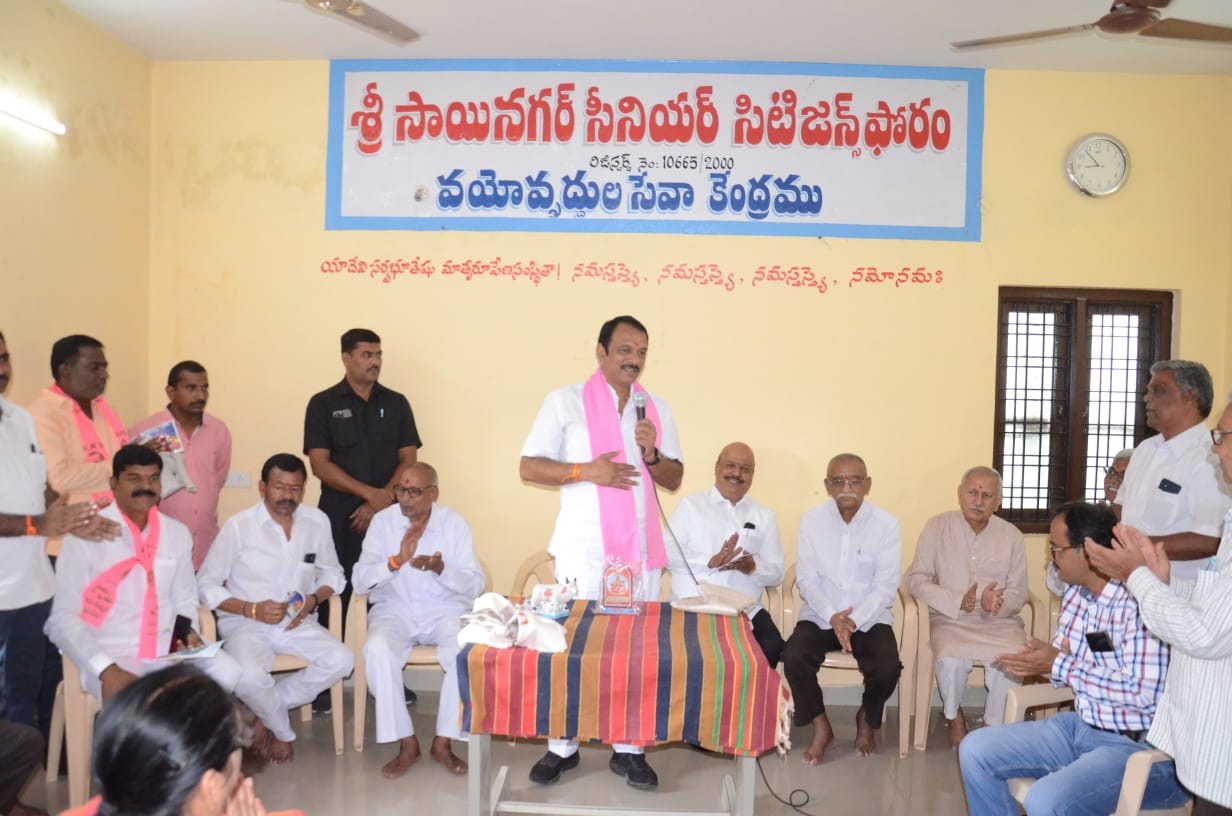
(661, 676)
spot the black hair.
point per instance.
(606, 330)
(66, 348)
(134, 456)
(184, 367)
(286, 462)
(353, 337)
(158, 737)
(1084, 520)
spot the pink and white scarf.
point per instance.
(91, 444)
(99, 597)
(617, 511)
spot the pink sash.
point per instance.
(617, 511)
(100, 596)
(91, 444)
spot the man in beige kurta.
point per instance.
(970, 568)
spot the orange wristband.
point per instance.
(574, 474)
(30, 528)
(393, 564)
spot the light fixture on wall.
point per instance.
(26, 114)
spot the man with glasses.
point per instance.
(1113, 476)
(1194, 716)
(1103, 651)
(970, 568)
(1173, 490)
(267, 573)
(849, 553)
(730, 540)
(419, 570)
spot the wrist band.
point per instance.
(574, 475)
(393, 564)
(254, 609)
(30, 528)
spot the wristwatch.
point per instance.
(657, 459)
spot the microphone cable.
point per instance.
(798, 798)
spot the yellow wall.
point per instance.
(236, 156)
(74, 210)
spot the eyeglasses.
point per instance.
(1053, 549)
(401, 492)
(1217, 435)
(1114, 474)
(853, 481)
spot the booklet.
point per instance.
(205, 650)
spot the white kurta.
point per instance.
(413, 607)
(117, 640)
(27, 578)
(1193, 718)
(841, 565)
(560, 433)
(1197, 503)
(253, 560)
(702, 523)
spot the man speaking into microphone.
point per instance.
(606, 443)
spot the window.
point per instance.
(1071, 368)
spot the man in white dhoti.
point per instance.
(418, 568)
(266, 574)
(970, 568)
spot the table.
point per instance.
(658, 677)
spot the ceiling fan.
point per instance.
(1125, 17)
(368, 18)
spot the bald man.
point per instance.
(730, 540)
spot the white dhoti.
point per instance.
(952, 675)
(253, 645)
(391, 639)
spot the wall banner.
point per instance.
(733, 148)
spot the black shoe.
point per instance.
(549, 769)
(323, 704)
(636, 771)
(411, 699)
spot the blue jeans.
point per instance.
(1078, 769)
(31, 667)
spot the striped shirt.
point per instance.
(1117, 689)
(1194, 720)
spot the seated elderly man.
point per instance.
(266, 574)
(730, 540)
(117, 602)
(849, 553)
(1103, 651)
(418, 567)
(970, 568)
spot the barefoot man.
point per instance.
(418, 568)
(849, 553)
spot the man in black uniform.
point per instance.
(358, 435)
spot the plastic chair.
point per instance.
(1137, 768)
(422, 657)
(925, 675)
(905, 629)
(537, 566)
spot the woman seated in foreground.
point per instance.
(170, 744)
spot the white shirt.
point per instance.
(840, 565)
(419, 594)
(560, 433)
(702, 522)
(26, 577)
(1193, 719)
(80, 562)
(1199, 506)
(255, 560)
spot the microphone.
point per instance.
(639, 403)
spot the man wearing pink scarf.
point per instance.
(590, 441)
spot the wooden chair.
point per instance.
(1137, 768)
(924, 670)
(422, 657)
(905, 629)
(285, 663)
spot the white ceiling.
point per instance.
(887, 32)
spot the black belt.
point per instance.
(1136, 736)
